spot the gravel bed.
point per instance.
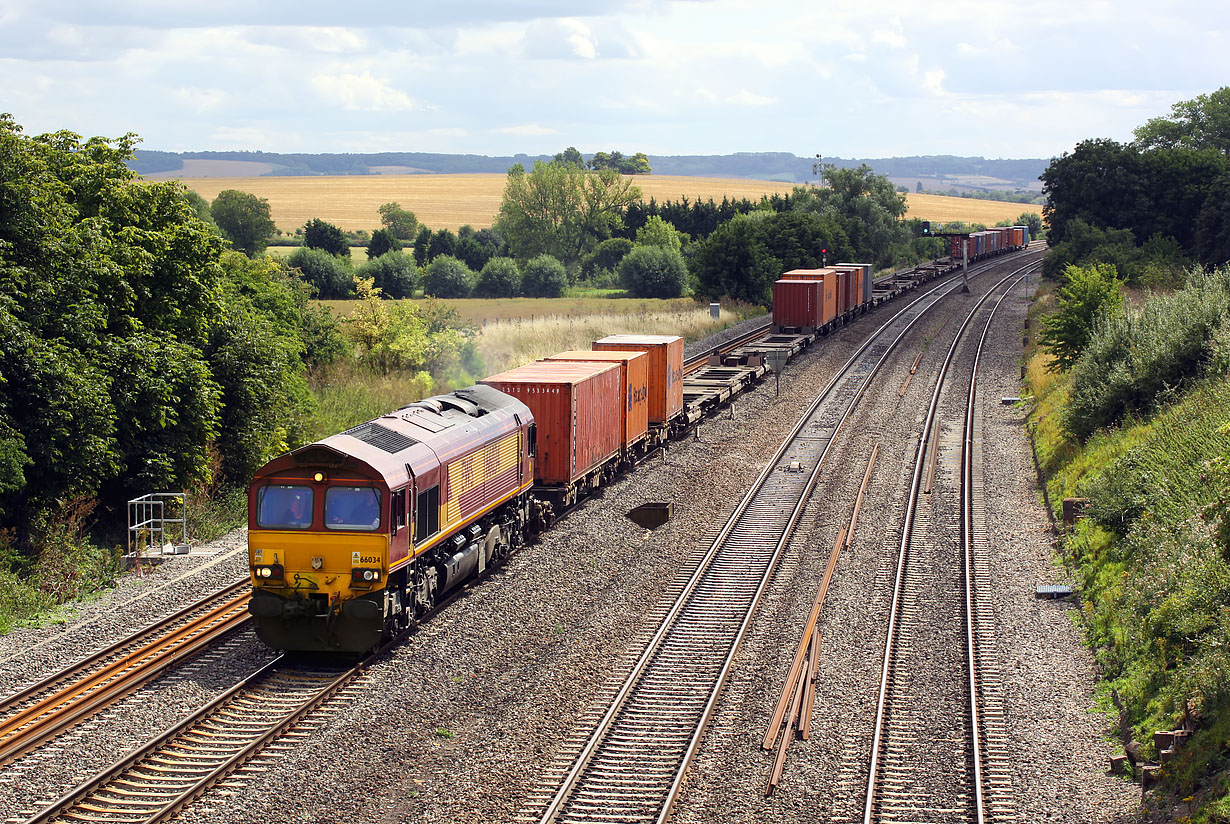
(456, 724)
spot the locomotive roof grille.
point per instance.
(381, 437)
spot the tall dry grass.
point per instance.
(509, 344)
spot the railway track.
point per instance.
(939, 748)
(42, 711)
(162, 777)
(631, 765)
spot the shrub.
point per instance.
(605, 257)
(500, 278)
(1088, 292)
(394, 273)
(382, 243)
(447, 277)
(317, 234)
(544, 277)
(653, 272)
(332, 276)
(1136, 360)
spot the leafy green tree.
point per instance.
(421, 241)
(1200, 123)
(1213, 225)
(443, 242)
(561, 210)
(393, 273)
(500, 278)
(543, 277)
(318, 234)
(570, 157)
(734, 261)
(1089, 293)
(200, 206)
(381, 243)
(400, 223)
(606, 256)
(244, 219)
(657, 232)
(654, 272)
(1033, 220)
(331, 276)
(638, 164)
(447, 277)
(865, 206)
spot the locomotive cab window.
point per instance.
(284, 507)
(427, 514)
(352, 508)
(397, 514)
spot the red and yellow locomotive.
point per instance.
(354, 536)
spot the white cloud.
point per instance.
(201, 100)
(526, 129)
(362, 92)
(566, 38)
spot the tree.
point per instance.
(500, 278)
(400, 223)
(543, 277)
(393, 273)
(638, 164)
(244, 219)
(331, 276)
(443, 242)
(1089, 293)
(421, 242)
(561, 210)
(1200, 123)
(447, 277)
(317, 234)
(1213, 225)
(657, 232)
(1034, 221)
(570, 157)
(382, 241)
(733, 261)
(654, 272)
(865, 206)
(606, 256)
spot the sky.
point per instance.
(868, 79)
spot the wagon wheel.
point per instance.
(495, 551)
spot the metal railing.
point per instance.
(150, 519)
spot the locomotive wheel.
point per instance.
(494, 551)
(425, 591)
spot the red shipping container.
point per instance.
(665, 369)
(853, 283)
(577, 407)
(843, 290)
(634, 375)
(829, 296)
(798, 303)
(866, 278)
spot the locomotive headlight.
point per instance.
(364, 576)
(271, 571)
(264, 572)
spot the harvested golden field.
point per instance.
(968, 210)
(451, 201)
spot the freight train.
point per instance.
(357, 536)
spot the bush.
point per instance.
(394, 274)
(332, 276)
(500, 278)
(1135, 361)
(605, 257)
(382, 243)
(447, 277)
(544, 277)
(653, 272)
(1088, 293)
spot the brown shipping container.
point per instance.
(805, 274)
(634, 374)
(665, 369)
(577, 408)
(798, 302)
(843, 290)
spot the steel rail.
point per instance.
(42, 711)
(905, 317)
(895, 607)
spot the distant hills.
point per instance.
(933, 171)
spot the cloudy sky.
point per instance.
(871, 78)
